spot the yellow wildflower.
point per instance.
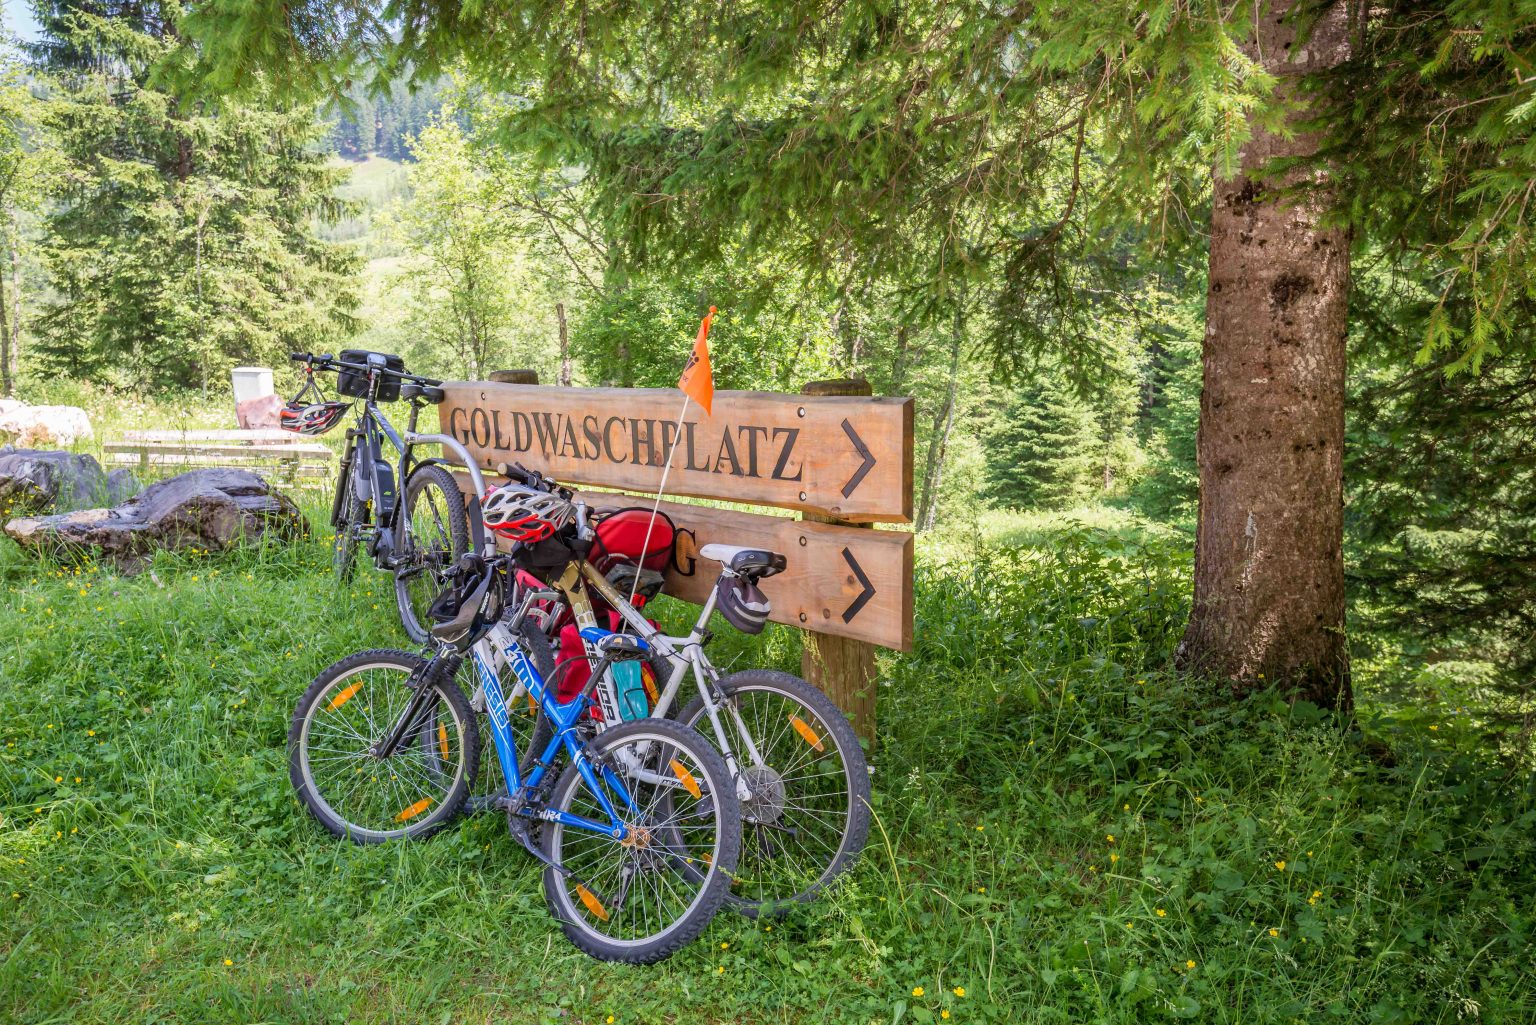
(959, 991)
(917, 991)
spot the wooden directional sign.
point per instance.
(841, 456)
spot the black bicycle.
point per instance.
(418, 536)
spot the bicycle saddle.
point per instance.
(425, 392)
(752, 562)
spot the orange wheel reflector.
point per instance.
(686, 778)
(414, 810)
(442, 739)
(533, 706)
(344, 696)
(707, 858)
(648, 678)
(806, 733)
(593, 904)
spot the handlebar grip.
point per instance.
(300, 357)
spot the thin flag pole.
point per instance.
(645, 546)
(702, 386)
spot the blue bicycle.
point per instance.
(640, 832)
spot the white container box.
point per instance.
(250, 383)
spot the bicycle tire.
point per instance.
(706, 774)
(461, 751)
(351, 513)
(520, 713)
(826, 722)
(542, 654)
(420, 582)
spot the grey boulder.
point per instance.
(208, 509)
(34, 481)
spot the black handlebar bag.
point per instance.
(546, 559)
(354, 383)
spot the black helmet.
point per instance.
(472, 602)
(743, 604)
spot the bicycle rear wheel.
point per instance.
(807, 816)
(434, 532)
(340, 721)
(642, 898)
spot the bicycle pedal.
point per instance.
(478, 803)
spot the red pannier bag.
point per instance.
(621, 540)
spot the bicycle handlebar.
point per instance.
(325, 361)
(533, 479)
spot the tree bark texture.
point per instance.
(10, 310)
(938, 442)
(565, 347)
(1269, 572)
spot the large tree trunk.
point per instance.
(1269, 571)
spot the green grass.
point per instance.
(148, 834)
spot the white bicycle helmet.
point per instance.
(521, 513)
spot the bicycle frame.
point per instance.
(684, 655)
(499, 645)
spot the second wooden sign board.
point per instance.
(839, 580)
(847, 457)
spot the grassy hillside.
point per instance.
(1065, 831)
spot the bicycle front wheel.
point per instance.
(807, 815)
(348, 516)
(335, 764)
(641, 898)
(434, 532)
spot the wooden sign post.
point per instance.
(844, 667)
(836, 454)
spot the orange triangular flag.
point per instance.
(698, 380)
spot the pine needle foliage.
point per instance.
(184, 240)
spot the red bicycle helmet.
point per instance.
(521, 513)
(312, 418)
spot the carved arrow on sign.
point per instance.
(864, 595)
(864, 467)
